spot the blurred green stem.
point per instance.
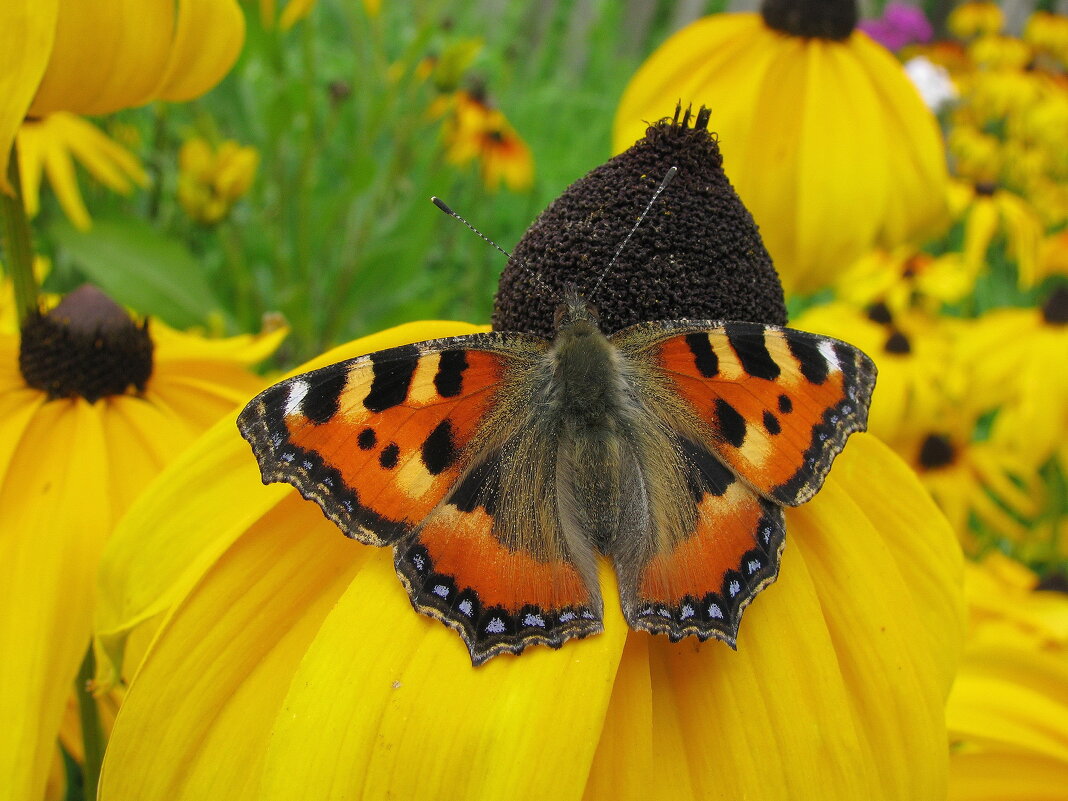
(93, 738)
(16, 242)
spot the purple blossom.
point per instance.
(900, 25)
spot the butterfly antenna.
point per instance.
(441, 204)
(663, 185)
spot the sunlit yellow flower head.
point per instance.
(825, 138)
(211, 179)
(475, 131)
(94, 406)
(49, 146)
(973, 19)
(96, 58)
(1008, 712)
(299, 649)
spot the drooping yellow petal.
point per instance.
(231, 653)
(294, 12)
(27, 29)
(208, 38)
(54, 515)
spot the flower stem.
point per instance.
(16, 242)
(93, 739)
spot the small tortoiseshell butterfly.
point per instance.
(499, 465)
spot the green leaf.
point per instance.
(141, 268)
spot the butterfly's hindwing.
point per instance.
(699, 579)
(493, 563)
(776, 404)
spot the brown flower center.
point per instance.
(936, 451)
(1055, 309)
(86, 346)
(898, 343)
(817, 19)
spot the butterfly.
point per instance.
(500, 466)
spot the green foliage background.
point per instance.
(337, 232)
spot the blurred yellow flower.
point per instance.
(905, 278)
(475, 131)
(299, 650)
(211, 179)
(826, 140)
(972, 19)
(988, 213)
(994, 52)
(1014, 350)
(1008, 712)
(1047, 33)
(96, 58)
(48, 146)
(95, 405)
(976, 155)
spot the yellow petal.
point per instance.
(294, 11)
(231, 653)
(1006, 776)
(438, 728)
(207, 41)
(54, 516)
(60, 170)
(27, 29)
(108, 55)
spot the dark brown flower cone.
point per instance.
(87, 347)
(812, 19)
(697, 255)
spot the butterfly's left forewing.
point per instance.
(429, 448)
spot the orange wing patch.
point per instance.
(701, 585)
(457, 570)
(780, 403)
(379, 440)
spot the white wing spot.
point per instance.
(441, 590)
(277, 440)
(327, 482)
(587, 614)
(288, 457)
(533, 620)
(686, 613)
(466, 607)
(766, 531)
(347, 505)
(418, 561)
(495, 626)
(714, 611)
(297, 391)
(822, 436)
(734, 588)
(847, 409)
(827, 349)
(307, 465)
(567, 617)
(754, 565)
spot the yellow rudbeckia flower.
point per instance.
(286, 660)
(475, 131)
(99, 57)
(970, 19)
(989, 212)
(49, 146)
(826, 140)
(211, 179)
(1008, 712)
(93, 407)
